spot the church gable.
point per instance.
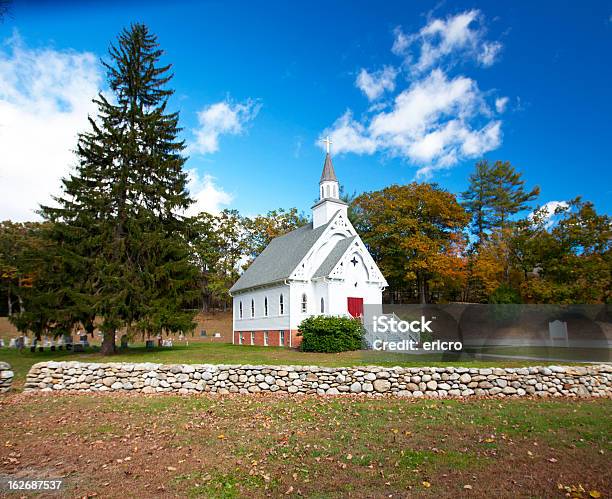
(338, 229)
(356, 261)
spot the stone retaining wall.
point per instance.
(6, 377)
(555, 381)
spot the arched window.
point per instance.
(252, 308)
(281, 305)
(240, 310)
(266, 306)
(304, 303)
(322, 306)
(322, 191)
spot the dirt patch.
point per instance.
(257, 446)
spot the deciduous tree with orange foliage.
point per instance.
(415, 234)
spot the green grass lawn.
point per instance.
(118, 445)
(222, 353)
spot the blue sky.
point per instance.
(408, 90)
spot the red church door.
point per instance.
(355, 306)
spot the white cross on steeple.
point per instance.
(328, 143)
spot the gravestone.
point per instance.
(78, 347)
(557, 331)
(150, 344)
(124, 342)
(203, 332)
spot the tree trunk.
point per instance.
(422, 291)
(9, 302)
(108, 343)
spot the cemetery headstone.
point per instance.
(557, 331)
(150, 344)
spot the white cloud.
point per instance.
(207, 194)
(429, 124)
(461, 34)
(348, 135)
(45, 98)
(401, 42)
(437, 120)
(223, 117)
(500, 104)
(489, 53)
(373, 85)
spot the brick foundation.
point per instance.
(291, 338)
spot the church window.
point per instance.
(322, 306)
(281, 340)
(252, 337)
(266, 306)
(266, 337)
(240, 310)
(252, 308)
(241, 338)
(281, 305)
(304, 303)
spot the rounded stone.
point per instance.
(382, 385)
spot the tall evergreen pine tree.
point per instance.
(119, 215)
(476, 198)
(495, 193)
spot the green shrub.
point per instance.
(505, 295)
(331, 334)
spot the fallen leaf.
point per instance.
(595, 493)
(426, 485)
(171, 468)
(468, 487)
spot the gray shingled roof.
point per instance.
(328, 170)
(334, 256)
(280, 258)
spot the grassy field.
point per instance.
(222, 353)
(258, 446)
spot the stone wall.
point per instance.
(6, 377)
(555, 381)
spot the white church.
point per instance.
(322, 268)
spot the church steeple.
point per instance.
(329, 193)
(328, 185)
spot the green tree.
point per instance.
(495, 194)
(507, 194)
(17, 241)
(218, 247)
(412, 232)
(569, 262)
(119, 215)
(261, 229)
